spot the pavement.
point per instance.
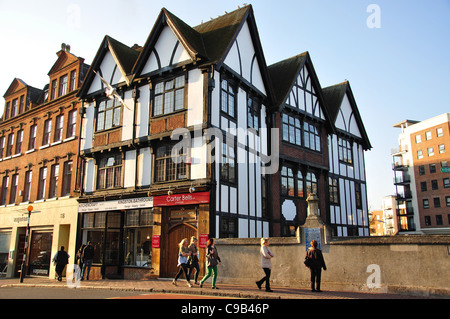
(165, 286)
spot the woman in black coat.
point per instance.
(315, 265)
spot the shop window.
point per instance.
(40, 253)
(138, 233)
(94, 231)
(5, 241)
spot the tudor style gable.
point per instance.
(171, 43)
(344, 113)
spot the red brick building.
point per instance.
(39, 132)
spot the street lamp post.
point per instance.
(23, 268)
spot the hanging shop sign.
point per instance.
(181, 199)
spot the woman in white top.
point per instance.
(266, 264)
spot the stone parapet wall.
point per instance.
(418, 265)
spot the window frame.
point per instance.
(164, 170)
(113, 172)
(228, 160)
(169, 95)
(103, 108)
(228, 89)
(345, 150)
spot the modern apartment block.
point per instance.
(421, 175)
(39, 138)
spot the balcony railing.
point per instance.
(399, 150)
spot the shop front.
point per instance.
(52, 224)
(138, 238)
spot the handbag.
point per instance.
(211, 261)
(308, 262)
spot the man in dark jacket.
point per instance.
(87, 258)
(316, 264)
(61, 259)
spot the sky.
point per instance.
(395, 53)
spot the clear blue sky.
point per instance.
(398, 71)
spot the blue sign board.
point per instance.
(310, 234)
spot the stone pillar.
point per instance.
(314, 227)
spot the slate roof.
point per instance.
(283, 75)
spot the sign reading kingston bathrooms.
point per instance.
(145, 202)
(131, 203)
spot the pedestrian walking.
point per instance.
(315, 262)
(61, 259)
(183, 255)
(266, 263)
(87, 257)
(212, 260)
(79, 261)
(193, 259)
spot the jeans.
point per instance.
(183, 269)
(208, 274)
(315, 277)
(195, 265)
(87, 264)
(266, 279)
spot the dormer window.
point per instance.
(63, 85)
(53, 90)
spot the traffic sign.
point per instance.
(445, 169)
